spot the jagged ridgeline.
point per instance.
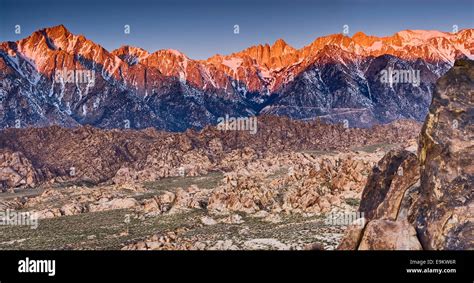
(54, 77)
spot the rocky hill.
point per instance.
(85, 154)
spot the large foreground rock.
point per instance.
(444, 218)
(431, 194)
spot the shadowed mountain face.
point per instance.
(54, 77)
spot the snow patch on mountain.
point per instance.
(233, 63)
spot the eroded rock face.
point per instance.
(352, 237)
(390, 192)
(445, 213)
(16, 170)
(385, 234)
(406, 177)
(387, 171)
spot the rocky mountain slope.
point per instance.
(335, 78)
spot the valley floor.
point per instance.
(280, 202)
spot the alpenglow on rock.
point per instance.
(334, 78)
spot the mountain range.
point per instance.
(335, 78)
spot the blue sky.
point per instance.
(202, 28)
